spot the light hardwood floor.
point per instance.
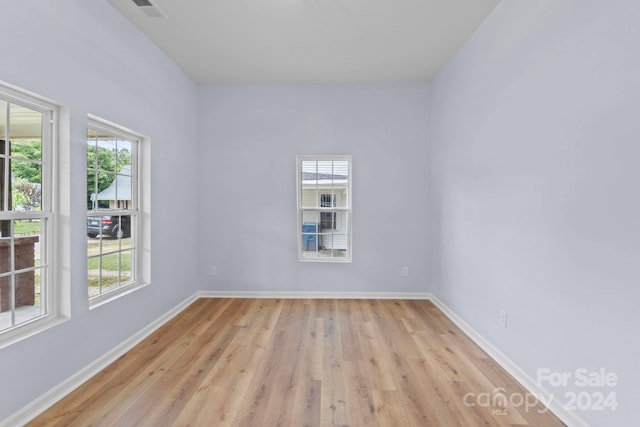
(268, 362)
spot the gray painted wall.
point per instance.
(249, 139)
(536, 165)
(86, 56)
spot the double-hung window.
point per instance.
(113, 210)
(28, 298)
(324, 208)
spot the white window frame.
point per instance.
(139, 212)
(55, 289)
(347, 210)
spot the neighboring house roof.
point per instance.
(312, 176)
(323, 179)
(123, 185)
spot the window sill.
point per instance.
(30, 329)
(107, 297)
(335, 260)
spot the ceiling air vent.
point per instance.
(149, 9)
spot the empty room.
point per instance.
(320, 213)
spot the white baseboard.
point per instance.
(315, 295)
(35, 408)
(45, 401)
(570, 418)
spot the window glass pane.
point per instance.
(309, 196)
(310, 217)
(92, 150)
(339, 253)
(26, 185)
(5, 316)
(27, 243)
(24, 250)
(326, 244)
(107, 227)
(327, 200)
(123, 188)
(92, 136)
(341, 169)
(125, 267)
(340, 195)
(5, 205)
(341, 222)
(5, 252)
(28, 306)
(125, 241)
(4, 105)
(341, 182)
(30, 149)
(309, 184)
(325, 170)
(124, 228)
(104, 190)
(93, 269)
(40, 282)
(106, 154)
(24, 124)
(124, 157)
(309, 236)
(6, 285)
(327, 221)
(109, 272)
(309, 171)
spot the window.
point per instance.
(324, 208)
(28, 296)
(114, 236)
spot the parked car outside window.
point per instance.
(109, 226)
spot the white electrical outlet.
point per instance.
(212, 270)
(405, 271)
(503, 318)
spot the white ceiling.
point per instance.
(310, 41)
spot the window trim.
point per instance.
(347, 209)
(55, 185)
(140, 209)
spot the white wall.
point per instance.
(250, 136)
(86, 56)
(536, 169)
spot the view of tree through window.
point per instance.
(103, 160)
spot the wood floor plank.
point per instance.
(222, 392)
(312, 363)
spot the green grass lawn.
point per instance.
(110, 262)
(120, 252)
(26, 227)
